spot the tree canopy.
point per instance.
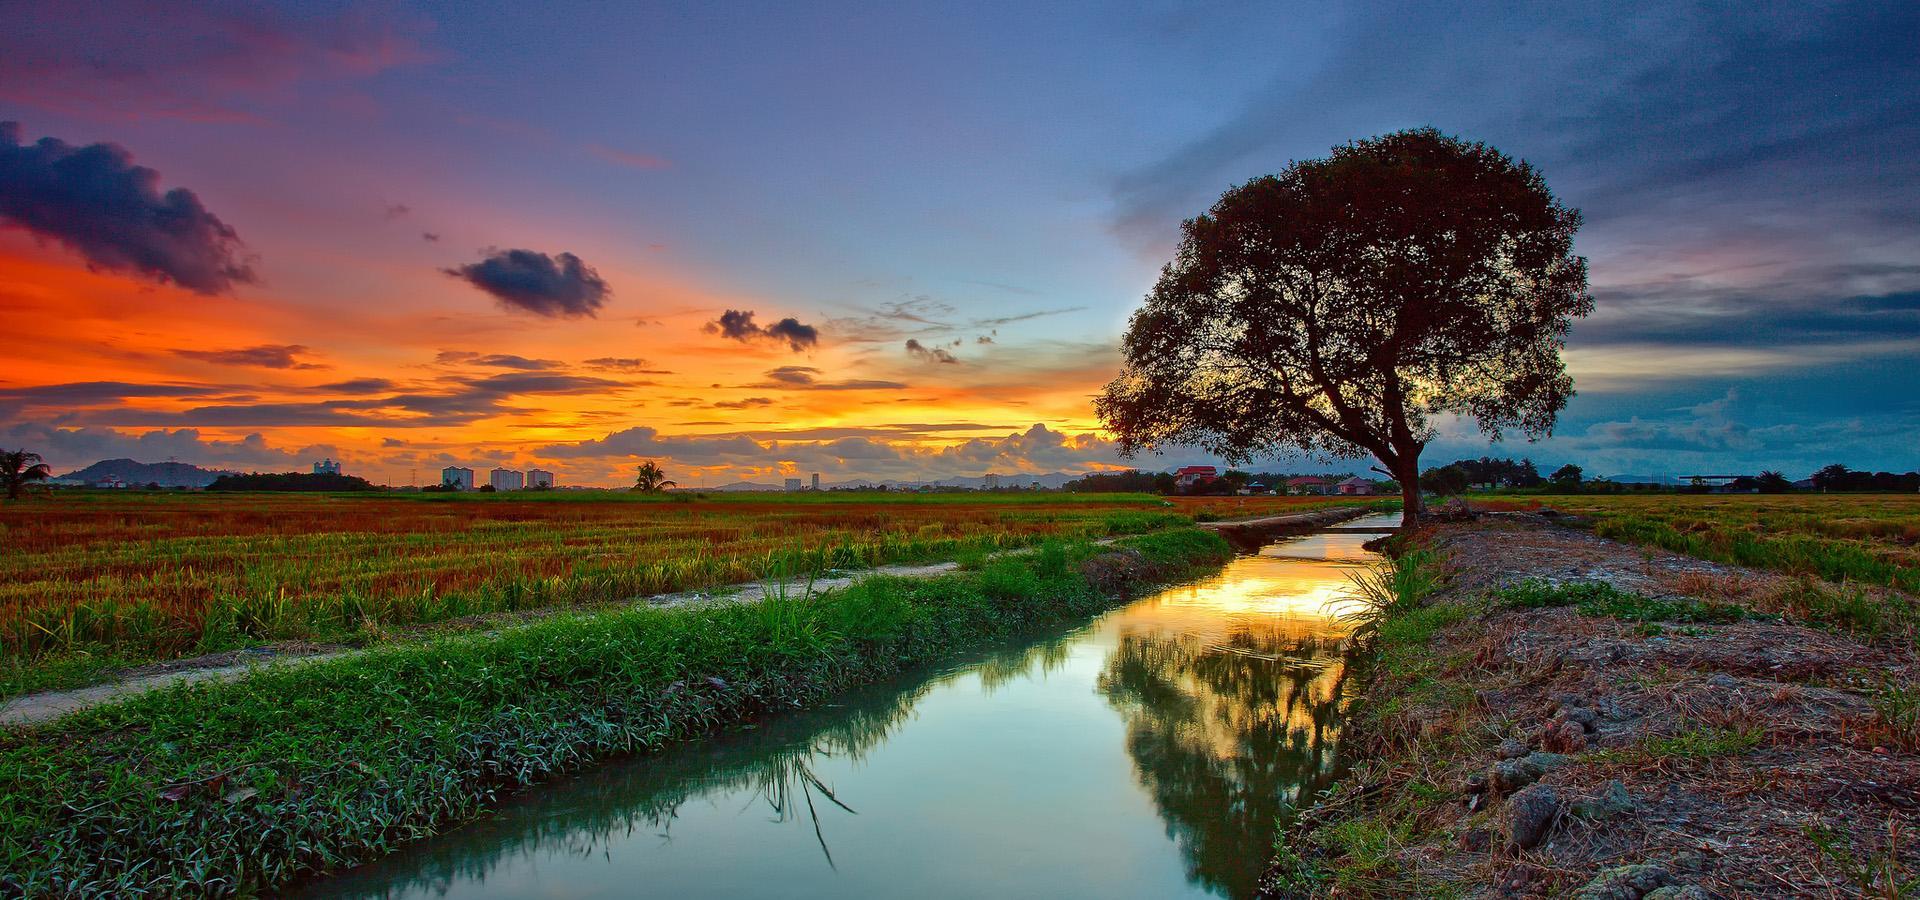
(1340, 306)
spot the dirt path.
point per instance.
(1710, 735)
(32, 709)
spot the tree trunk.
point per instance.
(1409, 478)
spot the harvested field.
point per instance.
(1574, 714)
(1864, 538)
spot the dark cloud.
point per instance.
(265, 356)
(623, 364)
(89, 393)
(397, 210)
(748, 403)
(430, 237)
(739, 325)
(554, 286)
(359, 386)
(94, 201)
(497, 361)
(925, 353)
(794, 375)
(807, 378)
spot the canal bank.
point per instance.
(240, 786)
(1148, 753)
(1571, 716)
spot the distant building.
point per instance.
(326, 467)
(457, 477)
(1309, 484)
(989, 482)
(793, 484)
(1355, 487)
(506, 480)
(539, 478)
(1190, 476)
(816, 481)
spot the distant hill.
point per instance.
(127, 471)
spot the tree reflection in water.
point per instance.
(1228, 734)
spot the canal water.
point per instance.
(1146, 754)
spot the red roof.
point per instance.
(1195, 470)
(1306, 480)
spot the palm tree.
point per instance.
(18, 468)
(652, 480)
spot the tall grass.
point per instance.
(1390, 588)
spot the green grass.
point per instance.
(237, 787)
(1602, 600)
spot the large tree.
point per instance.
(1339, 307)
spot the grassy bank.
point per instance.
(240, 786)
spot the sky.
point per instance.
(894, 240)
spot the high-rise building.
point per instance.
(539, 478)
(816, 481)
(989, 482)
(793, 484)
(459, 478)
(326, 467)
(506, 480)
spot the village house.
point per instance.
(1310, 484)
(1355, 487)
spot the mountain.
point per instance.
(131, 472)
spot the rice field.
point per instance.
(139, 576)
(1843, 538)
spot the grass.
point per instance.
(1602, 600)
(237, 787)
(1842, 538)
(93, 580)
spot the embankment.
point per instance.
(1570, 716)
(240, 786)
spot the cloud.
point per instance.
(739, 325)
(67, 449)
(878, 453)
(496, 360)
(397, 210)
(95, 202)
(359, 386)
(749, 403)
(265, 356)
(806, 378)
(430, 237)
(88, 393)
(630, 160)
(128, 60)
(622, 364)
(554, 286)
(925, 353)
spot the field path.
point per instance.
(33, 709)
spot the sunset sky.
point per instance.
(891, 241)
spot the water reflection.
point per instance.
(1148, 754)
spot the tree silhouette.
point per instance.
(651, 479)
(1338, 306)
(20, 468)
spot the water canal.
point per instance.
(1145, 754)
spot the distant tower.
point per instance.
(326, 467)
(793, 484)
(816, 481)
